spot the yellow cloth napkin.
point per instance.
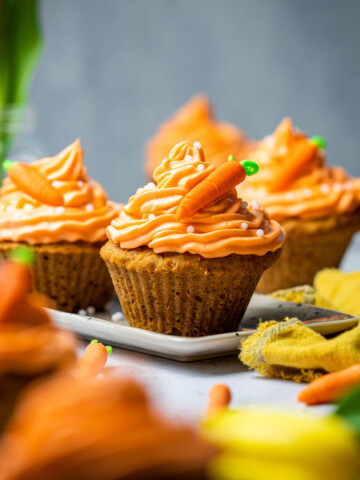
(292, 351)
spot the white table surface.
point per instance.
(181, 389)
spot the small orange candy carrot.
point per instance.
(219, 398)
(34, 183)
(93, 360)
(214, 186)
(15, 281)
(298, 159)
(331, 386)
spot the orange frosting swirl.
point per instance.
(315, 191)
(223, 227)
(195, 122)
(84, 216)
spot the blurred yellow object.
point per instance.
(340, 289)
(258, 444)
(292, 351)
(332, 289)
(301, 294)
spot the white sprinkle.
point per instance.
(245, 204)
(117, 317)
(17, 215)
(56, 184)
(244, 226)
(255, 204)
(89, 207)
(197, 144)
(307, 192)
(325, 188)
(60, 210)
(82, 312)
(200, 167)
(289, 195)
(190, 229)
(189, 158)
(10, 208)
(28, 206)
(91, 310)
(260, 232)
(283, 150)
(152, 216)
(150, 185)
(80, 183)
(348, 185)
(337, 187)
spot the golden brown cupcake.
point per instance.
(30, 347)
(103, 429)
(318, 205)
(188, 276)
(53, 206)
(195, 122)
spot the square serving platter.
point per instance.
(185, 349)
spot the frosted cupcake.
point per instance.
(318, 205)
(56, 209)
(185, 272)
(195, 122)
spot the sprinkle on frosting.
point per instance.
(197, 144)
(299, 184)
(201, 167)
(244, 225)
(35, 222)
(218, 225)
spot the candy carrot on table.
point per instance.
(219, 398)
(34, 183)
(331, 386)
(93, 360)
(219, 182)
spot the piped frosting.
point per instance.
(217, 230)
(314, 190)
(84, 215)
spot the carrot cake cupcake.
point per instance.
(186, 254)
(54, 207)
(195, 122)
(30, 347)
(318, 205)
(98, 428)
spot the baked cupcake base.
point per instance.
(72, 275)
(310, 246)
(184, 294)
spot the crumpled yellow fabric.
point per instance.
(292, 351)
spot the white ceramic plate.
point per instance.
(186, 349)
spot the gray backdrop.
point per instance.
(113, 70)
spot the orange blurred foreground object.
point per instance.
(219, 398)
(35, 184)
(16, 302)
(330, 387)
(93, 360)
(219, 182)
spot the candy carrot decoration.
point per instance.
(93, 360)
(330, 387)
(298, 159)
(219, 182)
(219, 398)
(34, 183)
